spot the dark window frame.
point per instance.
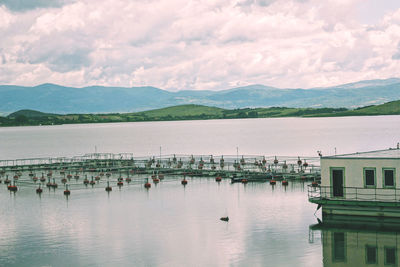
(395, 256)
(367, 260)
(365, 177)
(384, 177)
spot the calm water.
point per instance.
(281, 136)
(172, 225)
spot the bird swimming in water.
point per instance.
(225, 219)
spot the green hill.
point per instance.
(276, 112)
(389, 108)
(193, 112)
(182, 111)
(30, 114)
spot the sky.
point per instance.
(198, 45)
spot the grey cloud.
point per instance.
(60, 53)
(396, 55)
(70, 61)
(25, 5)
(255, 2)
(64, 61)
(262, 3)
(2, 57)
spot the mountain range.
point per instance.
(54, 98)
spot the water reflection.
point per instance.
(168, 225)
(357, 242)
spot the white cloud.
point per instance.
(71, 18)
(177, 44)
(6, 18)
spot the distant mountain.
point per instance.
(370, 83)
(51, 98)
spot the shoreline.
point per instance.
(193, 112)
(193, 119)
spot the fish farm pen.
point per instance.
(106, 170)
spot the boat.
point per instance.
(262, 177)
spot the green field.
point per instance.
(193, 112)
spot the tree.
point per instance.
(253, 114)
(21, 119)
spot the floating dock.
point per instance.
(114, 169)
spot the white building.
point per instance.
(361, 184)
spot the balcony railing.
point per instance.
(354, 194)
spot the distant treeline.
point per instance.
(192, 112)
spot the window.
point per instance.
(369, 177)
(339, 253)
(390, 256)
(388, 177)
(371, 253)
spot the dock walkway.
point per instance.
(97, 168)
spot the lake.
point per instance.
(172, 225)
(278, 136)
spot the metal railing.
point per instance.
(354, 193)
(253, 163)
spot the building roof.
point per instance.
(391, 153)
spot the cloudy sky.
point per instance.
(203, 44)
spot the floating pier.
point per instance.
(106, 168)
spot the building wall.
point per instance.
(354, 170)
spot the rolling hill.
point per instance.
(193, 112)
(30, 114)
